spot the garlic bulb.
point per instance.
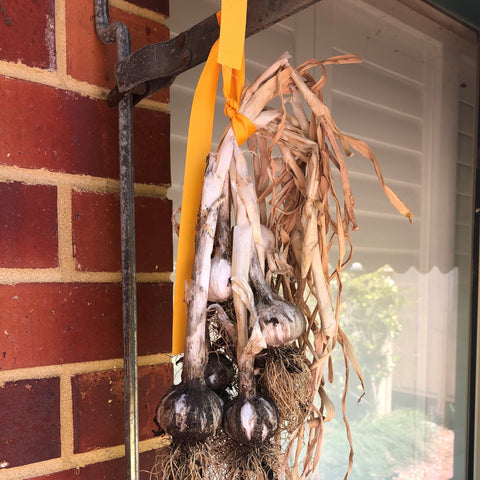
(281, 322)
(250, 420)
(218, 372)
(190, 413)
(219, 288)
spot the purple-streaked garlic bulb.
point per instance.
(251, 420)
(218, 372)
(281, 322)
(190, 412)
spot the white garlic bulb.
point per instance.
(219, 288)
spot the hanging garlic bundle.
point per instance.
(191, 413)
(285, 224)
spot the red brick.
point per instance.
(27, 30)
(64, 475)
(28, 226)
(111, 470)
(98, 405)
(54, 323)
(30, 423)
(159, 6)
(90, 60)
(67, 132)
(115, 469)
(96, 232)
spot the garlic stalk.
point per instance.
(190, 412)
(250, 419)
(219, 288)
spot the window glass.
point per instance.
(406, 294)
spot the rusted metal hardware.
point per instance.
(109, 33)
(155, 66)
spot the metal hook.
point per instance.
(110, 33)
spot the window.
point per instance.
(407, 295)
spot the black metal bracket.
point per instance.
(111, 33)
(155, 66)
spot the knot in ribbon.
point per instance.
(231, 107)
(242, 126)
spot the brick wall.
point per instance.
(61, 350)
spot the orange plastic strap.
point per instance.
(200, 128)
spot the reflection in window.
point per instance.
(406, 299)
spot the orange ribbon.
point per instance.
(233, 81)
(227, 53)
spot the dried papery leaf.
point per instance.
(347, 191)
(283, 118)
(364, 149)
(292, 165)
(299, 111)
(328, 409)
(253, 104)
(265, 118)
(350, 354)
(338, 60)
(319, 109)
(272, 70)
(342, 59)
(341, 238)
(319, 435)
(344, 412)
